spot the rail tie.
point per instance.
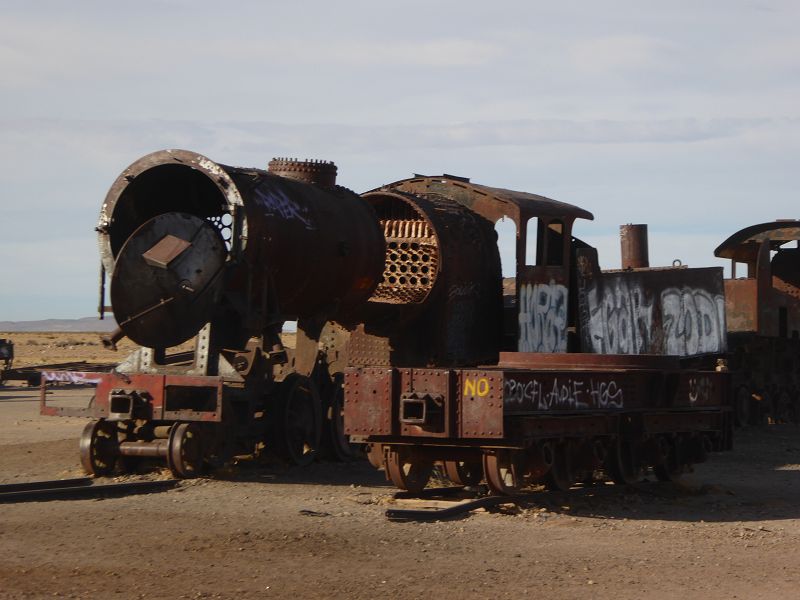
(457, 509)
(76, 489)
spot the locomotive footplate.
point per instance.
(537, 393)
(552, 419)
(150, 397)
(143, 416)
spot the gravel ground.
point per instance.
(729, 531)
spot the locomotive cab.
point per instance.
(763, 308)
(766, 300)
(539, 312)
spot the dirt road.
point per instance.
(272, 532)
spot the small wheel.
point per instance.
(99, 448)
(561, 475)
(671, 468)
(741, 408)
(463, 472)
(343, 450)
(784, 412)
(185, 450)
(297, 427)
(406, 474)
(622, 464)
(504, 471)
(375, 455)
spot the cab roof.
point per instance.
(490, 202)
(743, 245)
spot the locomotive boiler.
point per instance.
(764, 320)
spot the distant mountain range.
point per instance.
(87, 324)
(84, 325)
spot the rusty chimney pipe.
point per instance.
(633, 244)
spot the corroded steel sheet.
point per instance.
(476, 407)
(679, 312)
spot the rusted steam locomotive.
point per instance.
(763, 310)
(572, 371)
(218, 258)
(406, 339)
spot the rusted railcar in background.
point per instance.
(6, 355)
(763, 309)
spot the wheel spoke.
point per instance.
(462, 472)
(561, 475)
(99, 448)
(504, 470)
(185, 453)
(406, 474)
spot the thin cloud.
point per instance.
(620, 53)
(120, 136)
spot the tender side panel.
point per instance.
(677, 312)
(462, 405)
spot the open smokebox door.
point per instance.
(176, 261)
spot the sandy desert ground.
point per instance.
(732, 530)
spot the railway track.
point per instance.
(77, 489)
(450, 502)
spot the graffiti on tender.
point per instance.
(694, 321)
(620, 319)
(701, 389)
(623, 313)
(564, 394)
(543, 317)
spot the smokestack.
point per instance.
(633, 244)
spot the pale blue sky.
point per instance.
(679, 116)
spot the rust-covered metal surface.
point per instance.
(743, 246)
(439, 302)
(764, 300)
(289, 248)
(678, 311)
(120, 397)
(634, 250)
(490, 202)
(402, 329)
(472, 404)
(543, 277)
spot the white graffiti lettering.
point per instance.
(607, 395)
(621, 321)
(543, 317)
(72, 377)
(621, 318)
(278, 203)
(694, 321)
(563, 394)
(701, 390)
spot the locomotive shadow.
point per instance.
(759, 480)
(357, 473)
(18, 393)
